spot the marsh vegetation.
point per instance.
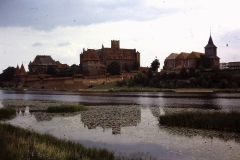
(204, 119)
(24, 144)
(7, 113)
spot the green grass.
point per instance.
(24, 144)
(214, 120)
(7, 113)
(66, 108)
(112, 87)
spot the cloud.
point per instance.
(64, 44)
(47, 15)
(37, 44)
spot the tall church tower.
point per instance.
(211, 52)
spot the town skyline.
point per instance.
(62, 29)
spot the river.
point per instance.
(128, 123)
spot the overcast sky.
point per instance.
(62, 28)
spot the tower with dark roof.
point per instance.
(211, 52)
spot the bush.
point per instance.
(121, 83)
(6, 113)
(66, 108)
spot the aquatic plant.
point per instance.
(66, 108)
(24, 144)
(201, 119)
(6, 113)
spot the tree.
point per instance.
(203, 62)
(113, 68)
(7, 74)
(183, 73)
(192, 72)
(141, 78)
(136, 65)
(126, 67)
(50, 70)
(155, 64)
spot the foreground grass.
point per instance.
(7, 113)
(66, 108)
(17, 143)
(215, 120)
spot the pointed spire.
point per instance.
(210, 43)
(16, 71)
(22, 71)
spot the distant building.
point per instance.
(176, 61)
(223, 66)
(41, 63)
(104, 56)
(20, 76)
(91, 64)
(230, 65)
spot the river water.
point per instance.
(128, 123)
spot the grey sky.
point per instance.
(62, 28)
(47, 14)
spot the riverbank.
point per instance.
(24, 144)
(112, 87)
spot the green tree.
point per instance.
(192, 72)
(7, 74)
(136, 65)
(50, 70)
(183, 72)
(113, 68)
(149, 73)
(193, 81)
(155, 65)
(126, 67)
(203, 62)
(141, 78)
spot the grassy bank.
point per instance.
(112, 87)
(215, 120)
(66, 108)
(7, 113)
(23, 144)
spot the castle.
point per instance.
(94, 62)
(175, 61)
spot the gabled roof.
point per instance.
(182, 55)
(172, 56)
(210, 43)
(90, 55)
(43, 60)
(195, 55)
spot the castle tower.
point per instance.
(211, 52)
(115, 44)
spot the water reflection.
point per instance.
(140, 132)
(113, 117)
(1, 105)
(210, 134)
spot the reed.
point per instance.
(24, 144)
(66, 108)
(7, 113)
(213, 120)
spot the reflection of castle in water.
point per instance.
(113, 117)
